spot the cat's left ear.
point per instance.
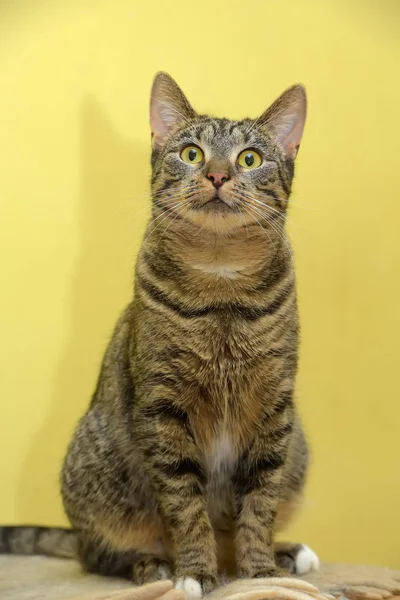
(169, 107)
(285, 119)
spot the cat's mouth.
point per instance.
(216, 204)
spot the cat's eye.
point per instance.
(249, 159)
(192, 155)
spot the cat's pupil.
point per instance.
(192, 154)
(249, 159)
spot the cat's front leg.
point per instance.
(179, 482)
(257, 490)
(257, 485)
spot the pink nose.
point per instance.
(218, 178)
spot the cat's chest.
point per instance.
(218, 272)
(226, 340)
(220, 459)
(227, 375)
(220, 455)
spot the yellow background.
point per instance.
(74, 148)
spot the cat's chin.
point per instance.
(216, 219)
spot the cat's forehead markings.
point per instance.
(221, 138)
(221, 131)
(222, 149)
(209, 131)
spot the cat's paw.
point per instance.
(148, 569)
(196, 587)
(296, 559)
(306, 561)
(190, 586)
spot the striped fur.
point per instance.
(192, 449)
(48, 541)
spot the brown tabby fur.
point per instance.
(192, 453)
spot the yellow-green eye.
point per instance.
(192, 155)
(249, 159)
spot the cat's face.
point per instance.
(222, 174)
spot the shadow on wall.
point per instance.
(111, 210)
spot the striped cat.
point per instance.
(191, 455)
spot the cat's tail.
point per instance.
(47, 541)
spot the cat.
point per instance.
(191, 455)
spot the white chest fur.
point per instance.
(225, 271)
(220, 458)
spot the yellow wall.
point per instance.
(74, 148)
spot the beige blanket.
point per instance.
(42, 578)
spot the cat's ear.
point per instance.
(285, 119)
(168, 107)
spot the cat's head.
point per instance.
(222, 174)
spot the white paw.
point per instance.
(190, 586)
(306, 561)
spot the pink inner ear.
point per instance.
(292, 150)
(292, 142)
(285, 119)
(158, 126)
(289, 133)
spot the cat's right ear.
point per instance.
(285, 119)
(169, 107)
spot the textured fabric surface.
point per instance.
(34, 578)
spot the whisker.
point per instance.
(149, 194)
(170, 207)
(167, 201)
(167, 215)
(279, 233)
(178, 213)
(162, 216)
(164, 201)
(247, 209)
(277, 214)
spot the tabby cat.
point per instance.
(191, 455)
